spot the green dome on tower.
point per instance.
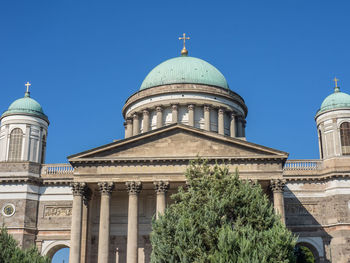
(335, 101)
(182, 70)
(27, 106)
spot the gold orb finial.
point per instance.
(184, 51)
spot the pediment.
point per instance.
(178, 141)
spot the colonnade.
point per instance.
(81, 193)
(132, 124)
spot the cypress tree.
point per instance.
(11, 253)
(220, 218)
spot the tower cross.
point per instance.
(336, 82)
(184, 38)
(27, 85)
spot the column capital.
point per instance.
(191, 106)
(161, 186)
(159, 108)
(206, 108)
(135, 115)
(105, 188)
(125, 124)
(145, 112)
(174, 106)
(233, 115)
(128, 120)
(277, 185)
(78, 188)
(221, 110)
(133, 187)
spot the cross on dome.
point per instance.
(336, 82)
(184, 51)
(27, 85)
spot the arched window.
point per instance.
(321, 144)
(43, 149)
(15, 148)
(345, 137)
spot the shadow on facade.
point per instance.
(300, 221)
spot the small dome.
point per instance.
(335, 100)
(184, 69)
(25, 105)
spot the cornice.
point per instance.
(184, 88)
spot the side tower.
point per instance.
(23, 131)
(333, 125)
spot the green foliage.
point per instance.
(220, 219)
(304, 254)
(11, 253)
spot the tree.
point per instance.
(220, 219)
(11, 253)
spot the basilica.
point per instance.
(102, 202)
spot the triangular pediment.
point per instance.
(178, 141)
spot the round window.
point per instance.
(8, 210)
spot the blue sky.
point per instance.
(85, 58)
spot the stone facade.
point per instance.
(101, 204)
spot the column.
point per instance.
(85, 225)
(161, 188)
(243, 126)
(174, 114)
(135, 124)
(191, 115)
(239, 127)
(277, 186)
(133, 189)
(125, 129)
(106, 189)
(145, 121)
(159, 117)
(206, 117)
(78, 190)
(221, 128)
(233, 125)
(129, 127)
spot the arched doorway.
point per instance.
(306, 253)
(56, 249)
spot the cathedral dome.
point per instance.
(335, 100)
(184, 69)
(25, 105)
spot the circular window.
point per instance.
(8, 210)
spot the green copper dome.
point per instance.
(336, 100)
(25, 105)
(184, 69)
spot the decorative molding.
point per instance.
(161, 186)
(277, 185)
(106, 188)
(133, 187)
(57, 211)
